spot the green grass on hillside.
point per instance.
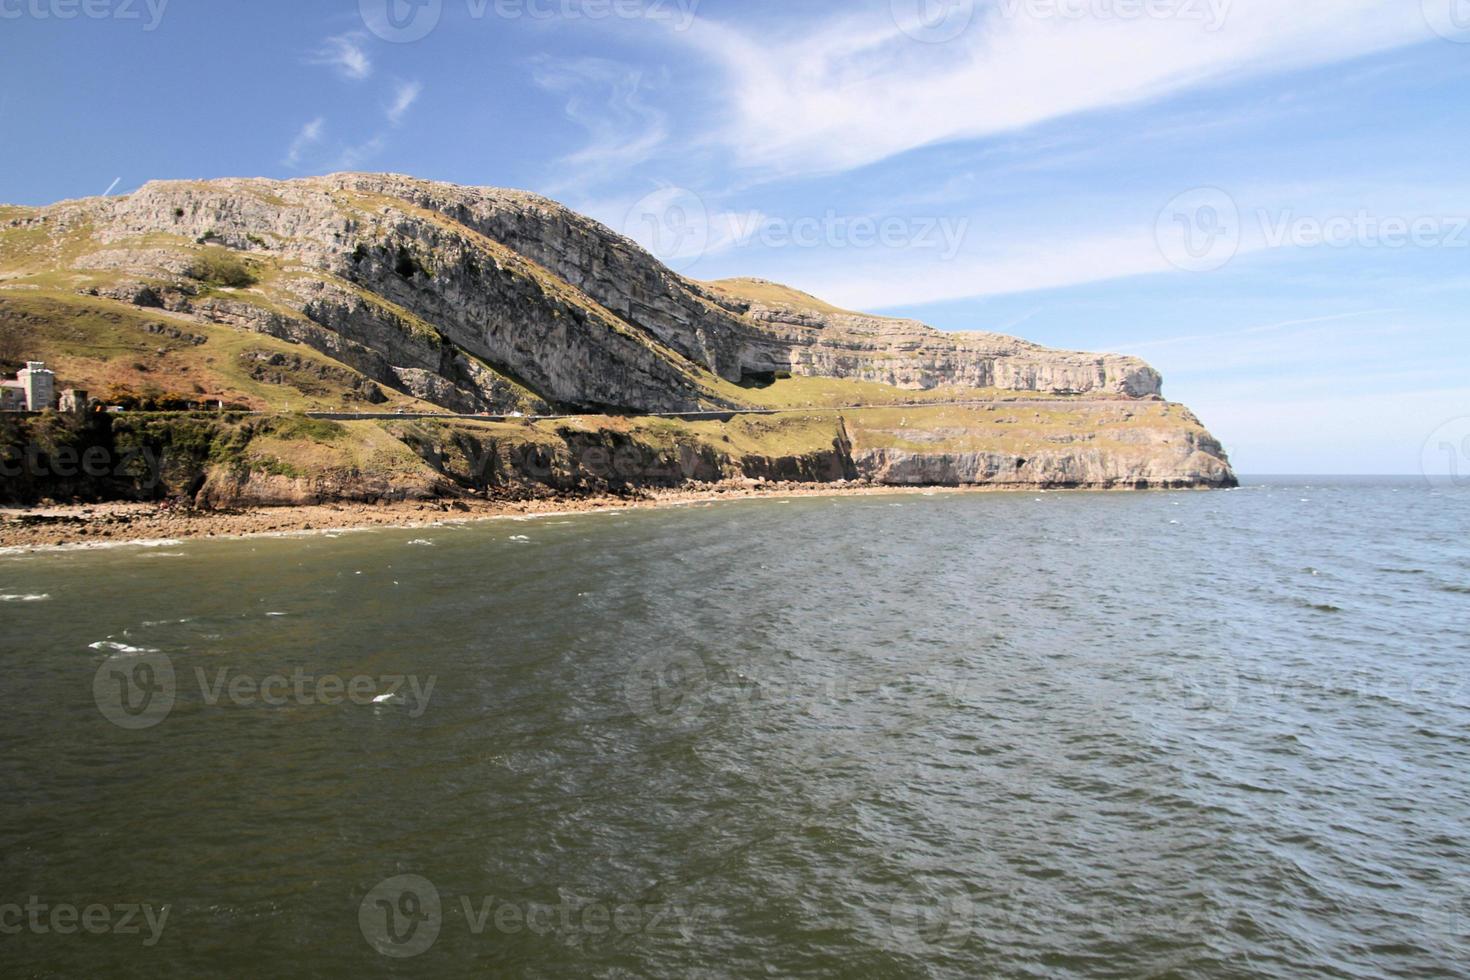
(104, 346)
(774, 294)
(1018, 430)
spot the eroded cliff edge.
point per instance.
(385, 293)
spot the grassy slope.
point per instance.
(1017, 430)
(97, 344)
(774, 294)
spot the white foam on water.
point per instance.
(520, 538)
(118, 647)
(277, 614)
(25, 598)
(28, 549)
(421, 543)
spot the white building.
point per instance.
(33, 390)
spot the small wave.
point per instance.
(1325, 607)
(33, 597)
(168, 622)
(521, 538)
(421, 543)
(115, 647)
(1457, 589)
(277, 614)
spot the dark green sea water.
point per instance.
(1060, 735)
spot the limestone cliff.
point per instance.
(383, 292)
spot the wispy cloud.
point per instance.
(606, 99)
(353, 157)
(1267, 328)
(856, 89)
(346, 54)
(309, 136)
(403, 99)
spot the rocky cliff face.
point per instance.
(362, 289)
(827, 342)
(393, 274)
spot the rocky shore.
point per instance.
(99, 525)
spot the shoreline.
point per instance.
(75, 527)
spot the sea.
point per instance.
(1192, 734)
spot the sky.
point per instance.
(1266, 199)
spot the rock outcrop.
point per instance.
(827, 342)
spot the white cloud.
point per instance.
(407, 94)
(353, 157)
(1006, 255)
(605, 98)
(309, 136)
(856, 89)
(345, 53)
(881, 278)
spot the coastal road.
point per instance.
(725, 414)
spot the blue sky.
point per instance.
(1266, 199)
